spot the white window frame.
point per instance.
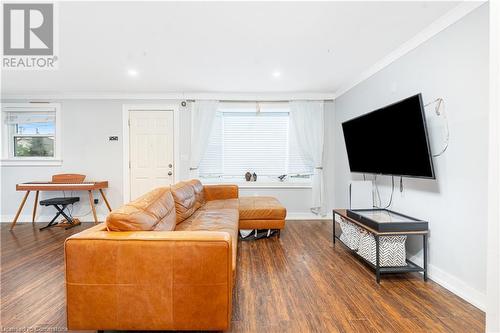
(247, 107)
(7, 159)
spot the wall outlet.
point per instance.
(96, 201)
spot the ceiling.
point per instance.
(221, 47)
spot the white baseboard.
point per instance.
(101, 217)
(453, 284)
(47, 218)
(307, 216)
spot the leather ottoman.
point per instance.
(260, 212)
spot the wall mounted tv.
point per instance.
(390, 141)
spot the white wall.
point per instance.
(86, 126)
(493, 260)
(452, 65)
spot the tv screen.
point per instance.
(390, 141)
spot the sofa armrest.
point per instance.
(148, 280)
(220, 192)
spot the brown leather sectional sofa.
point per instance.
(165, 261)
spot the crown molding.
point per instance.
(262, 96)
(443, 22)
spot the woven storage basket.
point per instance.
(351, 234)
(392, 250)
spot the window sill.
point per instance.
(30, 162)
(250, 185)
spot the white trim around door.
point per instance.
(126, 140)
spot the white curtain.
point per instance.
(306, 123)
(202, 120)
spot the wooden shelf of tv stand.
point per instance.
(343, 213)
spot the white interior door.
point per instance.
(151, 150)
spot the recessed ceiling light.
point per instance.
(132, 72)
(276, 74)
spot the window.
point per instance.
(253, 138)
(30, 134)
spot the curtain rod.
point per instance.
(264, 101)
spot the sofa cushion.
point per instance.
(220, 192)
(184, 199)
(154, 210)
(261, 208)
(221, 204)
(222, 219)
(199, 194)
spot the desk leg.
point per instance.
(34, 207)
(377, 258)
(19, 210)
(105, 199)
(91, 200)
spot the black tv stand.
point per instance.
(410, 266)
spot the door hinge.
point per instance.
(129, 164)
(128, 122)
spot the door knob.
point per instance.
(170, 173)
(170, 165)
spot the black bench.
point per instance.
(60, 204)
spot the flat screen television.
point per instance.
(392, 140)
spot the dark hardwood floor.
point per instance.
(298, 283)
